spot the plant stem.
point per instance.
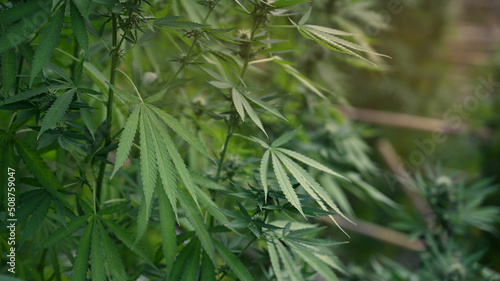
(109, 106)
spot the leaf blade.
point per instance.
(56, 111)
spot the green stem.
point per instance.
(230, 130)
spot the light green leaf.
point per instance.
(253, 115)
(80, 266)
(275, 263)
(313, 163)
(36, 219)
(373, 192)
(149, 167)
(285, 138)
(232, 261)
(288, 264)
(328, 30)
(49, 42)
(34, 92)
(168, 236)
(205, 182)
(305, 17)
(39, 169)
(97, 258)
(9, 70)
(317, 264)
(336, 191)
(211, 207)
(127, 238)
(299, 76)
(238, 103)
(181, 130)
(79, 29)
(179, 165)
(199, 226)
(63, 232)
(264, 164)
(142, 218)
(264, 105)
(126, 139)
(287, 3)
(96, 75)
(285, 184)
(56, 111)
(113, 260)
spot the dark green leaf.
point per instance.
(80, 266)
(56, 111)
(63, 232)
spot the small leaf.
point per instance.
(126, 139)
(83, 6)
(56, 111)
(86, 114)
(232, 261)
(124, 95)
(48, 44)
(288, 263)
(34, 92)
(238, 103)
(184, 256)
(79, 29)
(285, 184)
(220, 84)
(113, 259)
(264, 105)
(285, 138)
(149, 166)
(317, 264)
(264, 164)
(305, 17)
(80, 266)
(207, 272)
(63, 232)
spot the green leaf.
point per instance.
(123, 235)
(34, 92)
(126, 139)
(285, 138)
(36, 219)
(374, 193)
(253, 115)
(264, 164)
(207, 183)
(264, 105)
(149, 168)
(211, 207)
(275, 263)
(168, 236)
(317, 264)
(48, 43)
(287, 3)
(39, 169)
(313, 163)
(56, 111)
(199, 226)
(83, 6)
(142, 218)
(170, 86)
(207, 272)
(79, 29)
(232, 261)
(220, 84)
(305, 17)
(9, 70)
(181, 130)
(80, 266)
(285, 184)
(288, 264)
(183, 258)
(64, 232)
(21, 31)
(97, 257)
(299, 76)
(238, 103)
(86, 114)
(113, 260)
(176, 23)
(191, 266)
(124, 95)
(19, 11)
